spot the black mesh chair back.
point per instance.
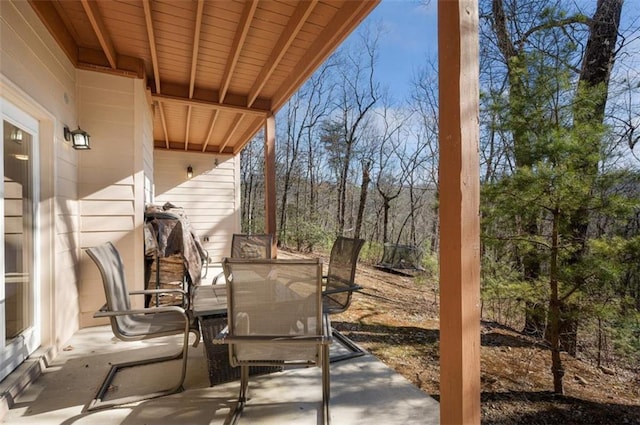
(339, 282)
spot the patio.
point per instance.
(362, 390)
(164, 87)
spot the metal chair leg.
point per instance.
(326, 386)
(97, 402)
(243, 396)
(355, 351)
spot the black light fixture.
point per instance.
(189, 172)
(79, 138)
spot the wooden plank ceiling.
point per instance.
(214, 68)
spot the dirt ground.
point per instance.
(395, 318)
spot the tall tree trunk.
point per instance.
(385, 217)
(283, 209)
(535, 318)
(342, 188)
(554, 309)
(597, 63)
(536, 314)
(364, 190)
(313, 196)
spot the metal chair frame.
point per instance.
(340, 286)
(130, 324)
(262, 240)
(322, 338)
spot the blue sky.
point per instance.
(410, 38)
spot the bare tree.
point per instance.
(390, 174)
(357, 94)
(252, 182)
(424, 104)
(304, 111)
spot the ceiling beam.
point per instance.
(96, 60)
(251, 131)
(238, 41)
(207, 104)
(152, 43)
(194, 63)
(296, 22)
(158, 145)
(164, 125)
(206, 95)
(333, 34)
(196, 45)
(57, 28)
(212, 124)
(187, 127)
(231, 132)
(99, 28)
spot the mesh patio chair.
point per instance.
(275, 318)
(130, 324)
(339, 287)
(256, 246)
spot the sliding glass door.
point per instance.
(18, 292)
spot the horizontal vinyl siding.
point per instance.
(107, 188)
(32, 61)
(209, 198)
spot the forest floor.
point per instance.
(395, 318)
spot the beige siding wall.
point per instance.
(38, 78)
(147, 155)
(211, 198)
(111, 178)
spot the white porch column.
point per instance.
(459, 212)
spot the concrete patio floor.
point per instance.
(363, 390)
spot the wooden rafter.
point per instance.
(194, 62)
(233, 64)
(154, 61)
(196, 43)
(212, 124)
(207, 105)
(248, 134)
(289, 34)
(230, 133)
(238, 41)
(51, 19)
(187, 127)
(152, 43)
(164, 125)
(99, 28)
(320, 49)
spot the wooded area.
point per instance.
(560, 103)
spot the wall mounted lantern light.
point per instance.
(16, 135)
(189, 172)
(79, 138)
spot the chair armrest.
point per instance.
(217, 277)
(302, 339)
(222, 336)
(103, 312)
(205, 262)
(352, 288)
(328, 333)
(326, 338)
(158, 291)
